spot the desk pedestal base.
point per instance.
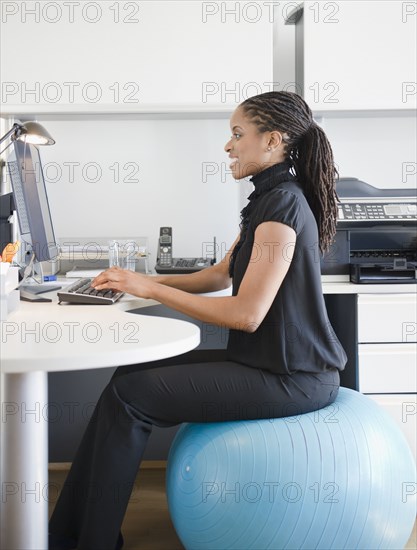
(24, 462)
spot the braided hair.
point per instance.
(308, 149)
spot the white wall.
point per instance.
(170, 172)
(378, 150)
(174, 172)
(168, 157)
(158, 53)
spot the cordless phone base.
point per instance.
(183, 265)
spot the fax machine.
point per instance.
(376, 236)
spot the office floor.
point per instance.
(147, 524)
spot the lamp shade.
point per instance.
(35, 133)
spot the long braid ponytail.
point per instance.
(308, 149)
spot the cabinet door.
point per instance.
(403, 409)
(387, 368)
(387, 318)
(127, 55)
(359, 55)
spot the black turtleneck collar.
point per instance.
(271, 177)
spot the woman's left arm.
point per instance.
(270, 260)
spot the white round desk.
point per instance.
(46, 337)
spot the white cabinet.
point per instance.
(357, 55)
(388, 368)
(123, 56)
(387, 318)
(387, 356)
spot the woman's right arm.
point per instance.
(210, 279)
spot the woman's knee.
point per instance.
(135, 389)
(120, 404)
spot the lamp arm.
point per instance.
(5, 149)
(13, 130)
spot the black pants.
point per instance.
(93, 501)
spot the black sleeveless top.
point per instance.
(296, 334)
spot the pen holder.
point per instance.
(9, 294)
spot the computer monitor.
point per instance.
(31, 201)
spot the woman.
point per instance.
(282, 357)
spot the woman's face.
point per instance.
(251, 151)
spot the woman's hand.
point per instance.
(125, 281)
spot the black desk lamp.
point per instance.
(30, 132)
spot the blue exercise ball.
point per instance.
(340, 477)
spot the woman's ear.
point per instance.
(275, 140)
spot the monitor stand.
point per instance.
(32, 293)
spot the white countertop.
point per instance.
(46, 336)
(350, 288)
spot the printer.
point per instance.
(376, 235)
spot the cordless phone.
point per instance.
(166, 264)
(165, 247)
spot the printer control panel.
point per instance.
(377, 211)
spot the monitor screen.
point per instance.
(31, 201)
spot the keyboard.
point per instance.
(81, 292)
